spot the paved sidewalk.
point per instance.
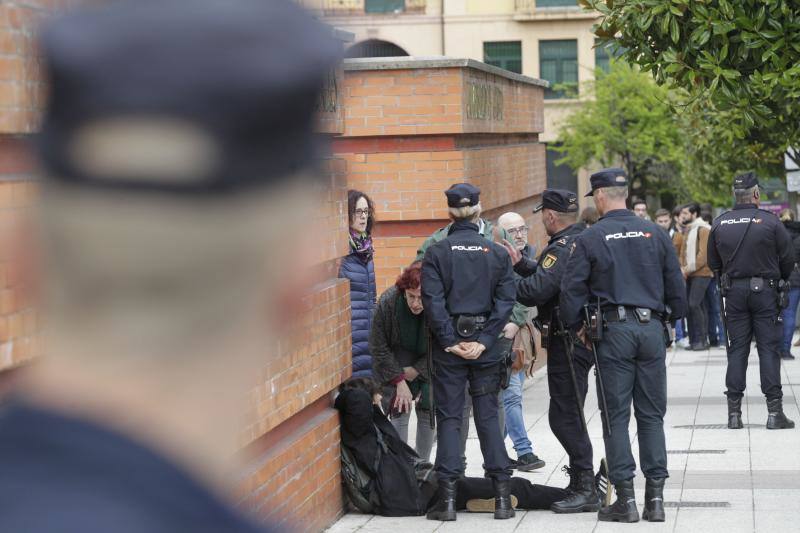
(720, 480)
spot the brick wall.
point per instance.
(414, 127)
(295, 482)
(21, 86)
(290, 445)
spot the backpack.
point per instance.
(358, 484)
(392, 492)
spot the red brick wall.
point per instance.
(21, 86)
(295, 483)
(291, 442)
(410, 133)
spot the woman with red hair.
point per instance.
(398, 342)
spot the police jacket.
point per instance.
(71, 475)
(766, 248)
(542, 288)
(622, 260)
(464, 274)
(520, 313)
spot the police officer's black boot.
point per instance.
(776, 419)
(735, 413)
(654, 501)
(582, 497)
(445, 507)
(624, 509)
(503, 509)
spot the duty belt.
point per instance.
(468, 325)
(624, 313)
(769, 282)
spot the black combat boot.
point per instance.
(654, 501)
(735, 413)
(776, 419)
(624, 509)
(503, 509)
(445, 507)
(582, 497)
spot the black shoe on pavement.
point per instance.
(445, 507)
(787, 356)
(582, 497)
(503, 507)
(624, 509)
(735, 413)
(776, 419)
(529, 462)
(654, 501)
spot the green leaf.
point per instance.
(674, 30)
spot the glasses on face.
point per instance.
(362, 212)
(522, 230)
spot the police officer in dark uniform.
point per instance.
(177, 139)
(750, 252)
(627, 268)
(468, 292)
(541, 287)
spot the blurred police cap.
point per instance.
(199, 96)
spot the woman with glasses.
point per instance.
(359, 267)
(399, 346)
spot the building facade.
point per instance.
(547, 39)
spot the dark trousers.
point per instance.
(564, 417)
(632, 358)
(530, 496)
(698, 311)
(451, 374)
(750, 313)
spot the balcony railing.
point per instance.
(339, 8)
(528, 7)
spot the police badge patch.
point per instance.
(549, 261)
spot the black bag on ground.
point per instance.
(378, 468)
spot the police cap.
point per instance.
(177, 96)
(608, 177)
(745, 181)
(558, 200)
(463, 195)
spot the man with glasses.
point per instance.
(517, 230)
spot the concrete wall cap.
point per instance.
(417, 62)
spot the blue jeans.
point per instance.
(515, 424)
(789, 315)
(716, 331)
(679, 333)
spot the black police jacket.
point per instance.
(766, 249)
(543, 287)
(70, 475)
(464, 274)
(622, 260)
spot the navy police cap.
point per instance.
(558, 200)
(608, 177)
(463, 195)
(745, 181)
(177, 96)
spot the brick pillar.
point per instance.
(291, 442)
(21, 99)
(414, 126)
(293, 479)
